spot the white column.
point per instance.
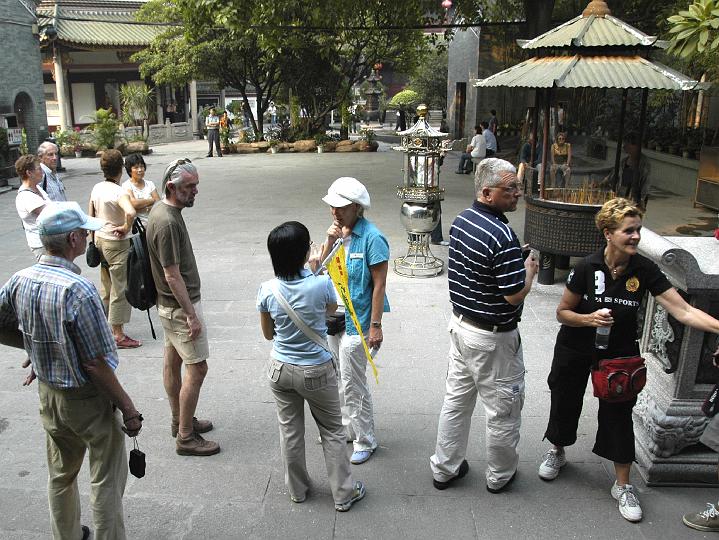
(63, 105)
(193, 109)
(158, 103)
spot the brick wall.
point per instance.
(21, 71)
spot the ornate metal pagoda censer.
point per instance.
(423, 147)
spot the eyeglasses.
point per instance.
(511, 188)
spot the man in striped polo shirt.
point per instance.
(488, 282)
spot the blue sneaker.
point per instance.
(360, 456)
(358, 493)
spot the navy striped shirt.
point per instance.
(485, 265)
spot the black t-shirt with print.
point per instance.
(592, 279)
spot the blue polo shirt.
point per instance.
(367, 248)
(485, 265)
(308, 295)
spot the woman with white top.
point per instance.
(111, 203)
(30, 200)
(142, 193)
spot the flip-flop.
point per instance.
(127, 343)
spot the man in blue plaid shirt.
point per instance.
(58, 317)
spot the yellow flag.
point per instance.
(337, 269)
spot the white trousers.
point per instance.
(489, 365)
(355, 397)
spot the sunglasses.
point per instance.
(171, 168)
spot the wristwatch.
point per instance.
(376, 324)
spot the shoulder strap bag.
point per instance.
(302, 325)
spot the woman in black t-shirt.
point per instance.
(605, 290)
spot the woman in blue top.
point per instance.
(367, 262)
(299, 369)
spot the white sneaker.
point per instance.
(553, 461)
(628, 502)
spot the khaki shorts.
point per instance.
(177, 334)
(710, 437)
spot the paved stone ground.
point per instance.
(240, 492)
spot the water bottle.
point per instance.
(601, 339)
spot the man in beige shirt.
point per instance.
(177, 280)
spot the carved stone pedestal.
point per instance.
(668, 421)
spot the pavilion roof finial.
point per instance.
(599, 8)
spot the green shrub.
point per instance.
(105, 128)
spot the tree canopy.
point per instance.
(315, 50)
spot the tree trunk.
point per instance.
(539, 16)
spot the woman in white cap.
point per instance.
(367, 262)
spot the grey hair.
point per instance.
(489, 173)
(45, 147)
(175, 174)
(56, 244)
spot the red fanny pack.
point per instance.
(619, 379)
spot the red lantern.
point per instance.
(378, 66)
(446, 4)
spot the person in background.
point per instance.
(606, 289)
(301, 370)
(561, 161)
(490, 140)
(51, 182)
(59, 318)
(367, 263)
(212, 123)
(110, 203)
(142, 193)
(634, 171)
(476, 149)
(493, 122)
(525, 157)
(30, 200)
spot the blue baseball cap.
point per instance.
(63, 217)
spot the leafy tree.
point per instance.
(315, 49)
(430, 80)
(695, 31)
(404, 99)
(137, 101)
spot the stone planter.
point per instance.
(320, 149)
(274, 149)
(78, 153)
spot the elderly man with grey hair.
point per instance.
(177, 280)
(51, 183)
(488, 282)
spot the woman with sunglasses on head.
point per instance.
(142, 192)
(110, 202)
(604, 291)
(300, 369)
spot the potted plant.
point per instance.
(274, 145)
(76, 141)
(320, 140)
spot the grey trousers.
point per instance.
(489, 365)
(293, 385)
(213, 137)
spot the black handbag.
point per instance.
(92, 255)
(335, 323)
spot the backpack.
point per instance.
(140, 292)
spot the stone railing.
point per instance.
(667, 417)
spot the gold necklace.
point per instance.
(614, 269)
